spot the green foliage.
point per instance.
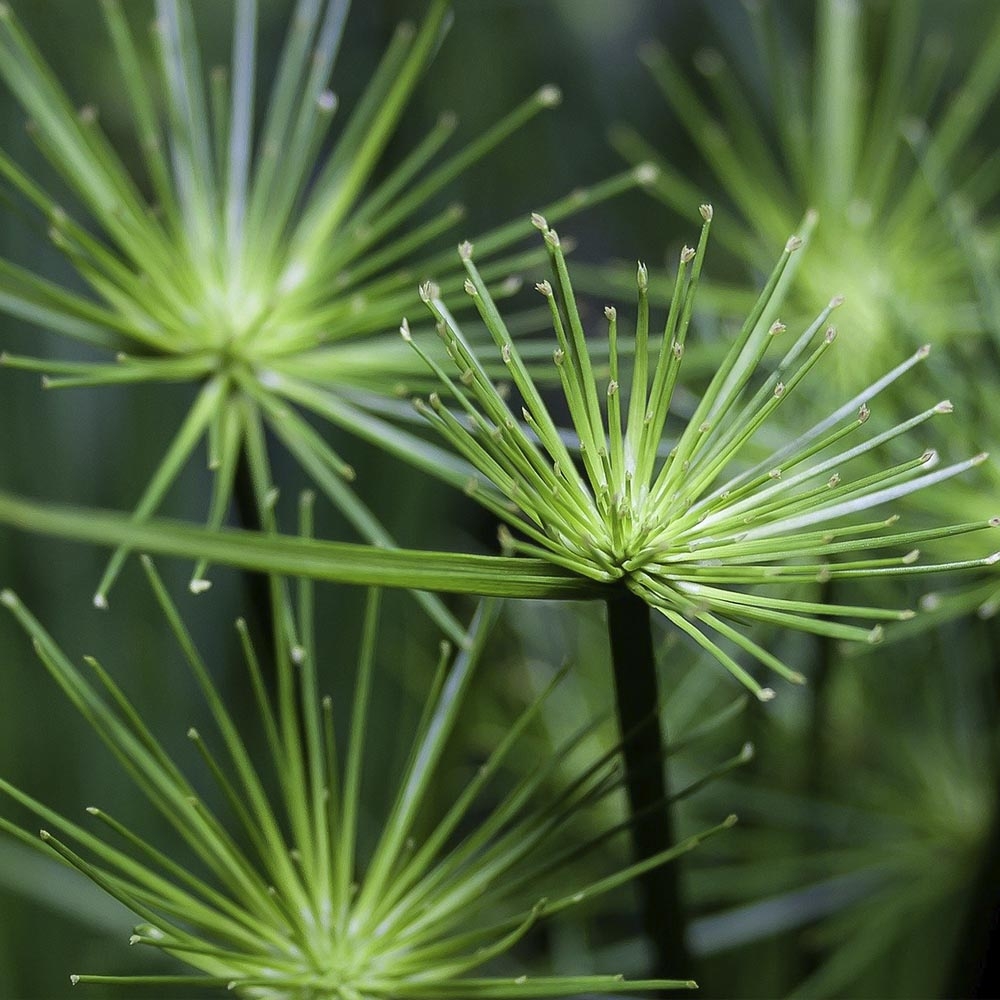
(262, 257)
(698, 534)
(281, 910)
(231, 269)
(833, 136)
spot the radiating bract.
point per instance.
(706, 534)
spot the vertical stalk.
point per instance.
(256, 585)
(636, 701)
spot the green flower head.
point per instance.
(845, 130)
(707, 533)
(284, 897)
(250, 261)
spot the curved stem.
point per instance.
(636, 704)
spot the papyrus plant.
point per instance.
(832, 132)
(975, 235)
(889, 849)
(259, 264)
(705, 534)
(715, 535)
(282, 898)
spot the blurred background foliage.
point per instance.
(867, 860)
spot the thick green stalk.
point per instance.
(636, 701)
(287, 555)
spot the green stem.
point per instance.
(256, 585)
(636, 701)
(287, 555)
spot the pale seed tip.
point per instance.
(465, 250)
(100, 602)
(199, 585)
(765, 694)
(327, 102)
(831, 335)
(687, 254)
(538, 221)
(470, 288)
(836, 301)
(549, 96)
(192, 734)
(992, 560)
(793, 244)
(642, 276)
(610, 313)
(923, 351)
(945, 406)
(777, 327)
(404, 330)
(746, 754)
(429, 291)
(8, 598)
(994, 522)
(876, 635)
(980, 458)
(73, 980)
(911, 557)
(706, 211)
(545, 288)
(646, 174)
(907, 614)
